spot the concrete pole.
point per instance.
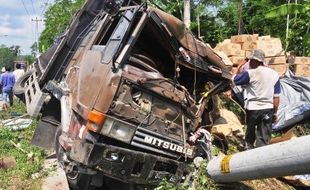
(287, 27)
(36, 20)
(281, 159)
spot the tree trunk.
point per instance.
(187, 13)
(240, 21)
(287, 28)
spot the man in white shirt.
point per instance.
(19, 71)
(262, 89)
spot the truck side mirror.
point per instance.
(112, 6)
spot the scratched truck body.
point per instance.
(120, 94)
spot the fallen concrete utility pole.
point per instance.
(281, 159)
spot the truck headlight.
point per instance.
(107, 126)
(118, 130)
(122, 132)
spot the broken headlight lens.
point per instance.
(118, 130)
(122, 132)
(107, 125)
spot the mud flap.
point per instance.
(44, 135)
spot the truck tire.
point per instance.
(113, 184)
(76, 180)
(19, 87)
(80, 182)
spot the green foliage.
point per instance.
(200, 181)
(286, 9)
(29, 58)
(10, 54)
(306, 44)
(57, 18)
(299, 36)
(174, 7)
(165, 185)
(219, 19)
(7, 55)
(20, 175)
(299, 26)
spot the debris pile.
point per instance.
(234, 50)
(228, 124)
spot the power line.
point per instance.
(25, 7)
(45, 6)
(33, 9)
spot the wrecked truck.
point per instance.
(120, 93)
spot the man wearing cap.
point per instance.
(262, 89)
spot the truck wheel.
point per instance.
(112, 184)
(19, 87)
(79, 181)
(76, 180)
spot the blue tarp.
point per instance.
(294, 101)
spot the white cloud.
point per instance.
(17, 23)
(11, 4)
(4, 20)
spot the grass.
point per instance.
(20, 176)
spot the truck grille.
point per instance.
(154, 142)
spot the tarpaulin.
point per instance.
(294, 101)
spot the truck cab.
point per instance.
(121, 93)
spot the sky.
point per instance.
(16, 25)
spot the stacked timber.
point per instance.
(301, 66)
(238, 47)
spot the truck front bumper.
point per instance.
(127, 165)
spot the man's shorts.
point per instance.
(5, 97)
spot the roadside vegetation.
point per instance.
(212, 20)
(15, 145)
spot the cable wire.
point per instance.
(33, 9)
(25, 7)
(44, 8)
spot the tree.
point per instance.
(29, 59)
(10, 54)
(211, 20)
(174, 7)
(187, 13)
(15, 50)
(6, 56)
(57, 18)
(299, 31)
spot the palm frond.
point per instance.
(286, 9)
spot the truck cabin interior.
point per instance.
(160, 51)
